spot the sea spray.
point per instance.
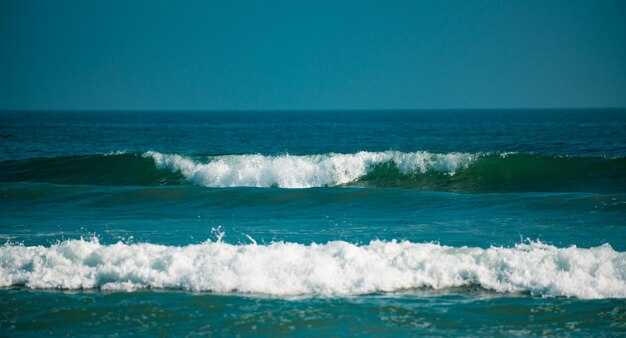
(305, 171)
(335, 268)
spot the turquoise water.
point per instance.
(309, 223)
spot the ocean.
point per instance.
(308, 223)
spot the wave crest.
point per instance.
(305, 171)
(454, 172)
(334, 268)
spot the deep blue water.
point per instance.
(305, 223)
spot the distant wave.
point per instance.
(306, 171)
(331, 269)
(456, 172)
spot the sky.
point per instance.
(248, 55)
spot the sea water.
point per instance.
(310, 223)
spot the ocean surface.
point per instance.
(305, 223)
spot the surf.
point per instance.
(452, 172)
(335, 268)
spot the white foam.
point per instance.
(114, 153)
(304, 171)
(334, 268)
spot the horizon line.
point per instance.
(3, 110)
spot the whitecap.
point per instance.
(332, 269)
(304, 171)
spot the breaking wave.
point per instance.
(332, 269)
(455, 172)
(305, 171)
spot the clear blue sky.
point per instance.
(109, 54)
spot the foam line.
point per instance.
(304, 171)
(332, 269)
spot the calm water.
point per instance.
(309, 223)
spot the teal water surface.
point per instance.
(313, 223)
